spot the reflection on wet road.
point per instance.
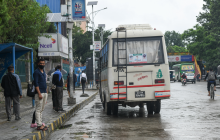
(189, 114)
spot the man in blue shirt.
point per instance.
(41, 93)
(12, 90)
(58, 92)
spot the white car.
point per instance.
(191, 77)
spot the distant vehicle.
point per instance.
(134, 69)
(191, 77)
(172, 75)
(184, 67)
(184, 81)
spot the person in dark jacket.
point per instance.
(58, 92)
(12, 90)
(68, 83)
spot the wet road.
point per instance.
(189, 114)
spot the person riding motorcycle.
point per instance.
(211, 79)
(184, 76)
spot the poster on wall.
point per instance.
(137, 58)
(79, 10)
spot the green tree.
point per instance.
(82, 42)
(173, 38)
(4, 18)
(203, 39)
(173, 49)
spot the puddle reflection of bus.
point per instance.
(89, 70)
(184, 67)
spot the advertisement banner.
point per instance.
(175, 58)
(97, 45)
(48, 44)
(187, 58)
(79, 10)
(137, 58)
(187, 67)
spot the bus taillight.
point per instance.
(159, 80)
(118, 82)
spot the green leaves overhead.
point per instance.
(82, 42)
(23, 21)
(203, 39)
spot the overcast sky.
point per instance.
(164, 15)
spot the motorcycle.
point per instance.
(184, 81)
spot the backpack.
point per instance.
(31, 90)
(83, 79)
(211, 76)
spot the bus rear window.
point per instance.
(139, 51)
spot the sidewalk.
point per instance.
(14, 130)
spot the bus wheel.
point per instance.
(157, 106)
(115, 108)
(109, 111)
(150, 107)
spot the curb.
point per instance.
(54, 124)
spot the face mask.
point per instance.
(41, 66)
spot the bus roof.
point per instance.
(178, 65)
(137, 30)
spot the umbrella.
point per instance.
(53, 70)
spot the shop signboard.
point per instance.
(55, 45)
(174, 58)
(79, 10)
(187, 58)
(48, 44)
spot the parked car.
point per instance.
(191, 77)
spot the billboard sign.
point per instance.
(97, 45)
(79, 10)
(187, 58)
(48, 44)
(56, 45)
(175, 58)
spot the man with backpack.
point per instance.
(11, 84)
(83, 79)
(211, 79)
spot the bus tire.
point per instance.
(157, 106)
(150, 107)
(109, 111)
(115, 108)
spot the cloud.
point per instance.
(165, 15)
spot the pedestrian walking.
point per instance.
(83, 80)
(58, 92)
(68, 83)
(52, 87)
(11, 84)
(41, 93)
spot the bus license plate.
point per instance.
(139, 94)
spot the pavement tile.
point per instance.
(20, 129)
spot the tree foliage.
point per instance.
(82, 42)
(173, 38)
(23, 21)
(203, 39)
(175, 49)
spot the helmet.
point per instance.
(183, 72)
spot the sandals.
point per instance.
(43, 129)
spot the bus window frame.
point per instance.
(138, 39)
(104, 56)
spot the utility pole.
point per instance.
(94, 87)
(71, 100)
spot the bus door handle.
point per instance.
(157, 65)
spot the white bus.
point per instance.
(134, 69)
